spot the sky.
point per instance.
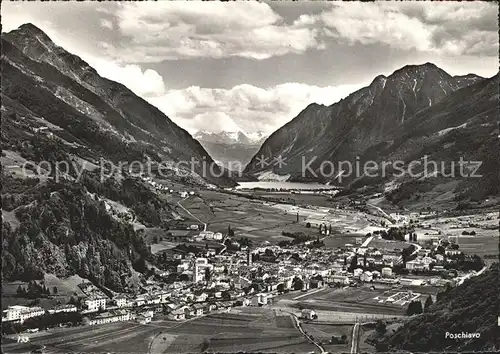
(253, 66)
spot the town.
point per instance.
(396, 268)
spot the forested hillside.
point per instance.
(471, 308)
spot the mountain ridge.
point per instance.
(118, 109)
(413, 111)
(74, 200)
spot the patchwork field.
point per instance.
(324, 332)
(358, 301)
(247, 330)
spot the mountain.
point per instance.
(73, 146)
(225, 137)
(362, 119)
(95, 112)
(418, 110)
(466, 80)
(471, 308)
(233, 150)
(464, 126)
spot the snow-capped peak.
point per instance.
(231, 137)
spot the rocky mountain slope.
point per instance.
(233, 150)
(416, 111)
(462, 126)
(60, 120)
(99, 114)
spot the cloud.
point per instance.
(145, 83)
(106, 24)
(244, 107)
(173, 30)
(448, 28)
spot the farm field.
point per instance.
(389, 245)
(248, 218)
(125, 336)
(485, 225)
(261, 331)
(246, 330)
(324, 332)
(65, 289)
(359, 301)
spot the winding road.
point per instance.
(299, 326)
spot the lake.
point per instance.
(283, 185)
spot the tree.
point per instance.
(428, 303)
(297, 283)
(414, 308)
(281, 288)
(354, 263)
(208, 275)
(205, 345)
(308, 225)
(20, 291)
(380, 327)
(55, 290)
(382, 347)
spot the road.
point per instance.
(299, 326)
(194, 217)
(471, 275)
(387, 216)
(367, 242)
(309, 293)
(355, 338)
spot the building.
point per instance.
(21, 313)
(260, 300)
(143, 319)
(207, 308)
(63, 308)
(201, 266)
(386, 272)
(218, 236)
(198, 309)
(178, 314)
(412, 265)
(207, 235)
(406, 282)
(121, 301)
(110, 317)
(366, 277)
(358, 272)
(339, 279)
(308, 314)
(95, 303)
